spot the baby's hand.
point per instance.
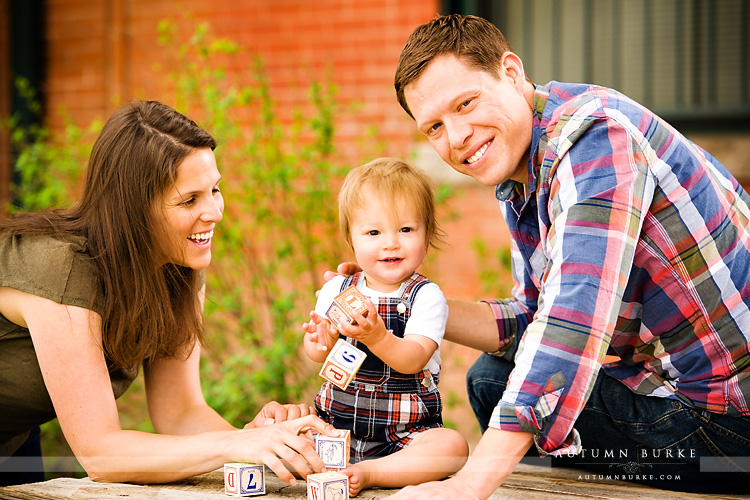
(319, 332)
(368, 329)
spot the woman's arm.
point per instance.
(68, 344)
(175, 401)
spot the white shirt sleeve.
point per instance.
(325, 298)
(429, 313)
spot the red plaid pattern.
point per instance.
(383, 408)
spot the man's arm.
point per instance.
(472, 324)
(493, 460)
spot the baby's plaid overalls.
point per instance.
(381, 406)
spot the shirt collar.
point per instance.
(506, 190)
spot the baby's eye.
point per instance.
(373, 232)
(406, 229)
(466, 103)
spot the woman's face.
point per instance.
(191, 208)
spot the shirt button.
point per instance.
(401, 307)
(427, 382)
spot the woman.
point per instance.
(90, 293)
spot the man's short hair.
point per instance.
(472, 38)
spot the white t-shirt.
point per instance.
(428, 314)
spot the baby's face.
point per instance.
(389, 244)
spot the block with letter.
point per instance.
(328, 486)
(344, 304)
(244, 479)
(334, 450)
(342, 363)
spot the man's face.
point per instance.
(479, 123)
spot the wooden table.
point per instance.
(528, 482)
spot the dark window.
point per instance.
(27, 56)
(687, 60)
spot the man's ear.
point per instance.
(511, 66)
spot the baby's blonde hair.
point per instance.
(393, 179)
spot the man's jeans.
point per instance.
(650, 440)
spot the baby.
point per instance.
(392, 406)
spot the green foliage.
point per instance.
(495, 268)
(281, 173)
(280, 176)
(47, 166)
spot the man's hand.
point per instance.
(345, 269)
(450, 489)
(493, 460)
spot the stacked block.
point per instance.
(244, 479)
(328, 486)
(342, 363)
(348, 301)
(334, 450)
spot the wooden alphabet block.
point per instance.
(348, 301)
(342, 363)
(335, 374)
(328, 486)
(334, 450)
(244, 479)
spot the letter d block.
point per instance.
(328, 486)
(342, 363)
(334, 450)
(244, 479)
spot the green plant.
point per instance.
(280, 175)
(48, 165)
(495, 268)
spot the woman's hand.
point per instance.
(287, 448)
(274, 413)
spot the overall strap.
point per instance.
(354, 279)
(412, 285)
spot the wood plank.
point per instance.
(528, 482)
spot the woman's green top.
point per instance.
(58, 269)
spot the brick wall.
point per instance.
(102, 53)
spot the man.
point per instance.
(627, 239)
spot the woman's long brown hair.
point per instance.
(151, 310)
